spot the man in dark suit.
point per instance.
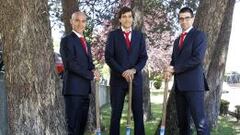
(78, 73)
(126, 56)
(189, 80)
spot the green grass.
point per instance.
(150, 126)
(225, 125)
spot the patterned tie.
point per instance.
(128, 42)
(84, 44)
(182, 40)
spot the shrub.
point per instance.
(237, 112)
(224, 107)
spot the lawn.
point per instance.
(226, 125)
(150, 126)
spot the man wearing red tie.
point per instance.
(189, 80)
(126, 56)
(78, 73)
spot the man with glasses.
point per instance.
(189, 80)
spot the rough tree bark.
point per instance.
(68, 6)
(218, 29)
(91, 124)
(34, 102)
(138, 6)
(213, 17)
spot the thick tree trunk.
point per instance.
(138, 7)
(69, 7)
(218, 29)
(91, 125)
(209, 18)
(146, 96)
(34, 97)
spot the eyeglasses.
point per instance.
(181, 19)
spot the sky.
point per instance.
(233, 62)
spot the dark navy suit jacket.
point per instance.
(77, 66)
(119, 58)
(188, 62)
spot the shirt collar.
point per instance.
(130, 30)
(186, 31)
(79, 35)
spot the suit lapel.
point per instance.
(176, 46)
(88, 50)
(122, 39)
(185, 42)
(78, 43)
(133, 41)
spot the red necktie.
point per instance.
(84, 44)
(128, 42)
(182, 40)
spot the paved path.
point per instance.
(231, 94)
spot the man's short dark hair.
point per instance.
(124, 10)
(186, 9)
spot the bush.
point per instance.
(224, 107)
(157, 84)
(158, 81)
(237, 112)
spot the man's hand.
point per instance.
(167, 75)
(129, 74)
(96, 74)
(168, 72)
(169, 69)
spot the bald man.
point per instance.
(78, 73)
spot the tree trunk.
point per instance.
(69, 7)
(35, 104)
(91, 124)
(137, 6)
(215, 18)
(217, 24)
(146, 96)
